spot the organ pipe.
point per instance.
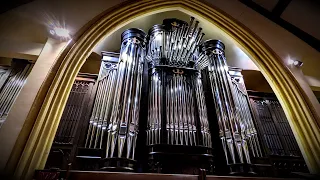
(176, 113)
(176, 98)
(11, 82)
(231, 127)
(102, 107)
(124, 120)
(71, 117)
(274, 127)
(243, 108)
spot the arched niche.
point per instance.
(297, 106)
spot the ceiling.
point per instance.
(10, 4)
(235, 56)
(24, 30)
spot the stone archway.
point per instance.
(298, 108)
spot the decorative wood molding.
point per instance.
(298, 108)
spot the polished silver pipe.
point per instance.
(15, 89)
(124, 124)
(245, 112)
(95, 107)
(101, 109)
(4, 75)
(9, 87)
(233, 140)
(178, 45)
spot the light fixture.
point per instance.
(296, 63)
(290, 62)
(60, 32)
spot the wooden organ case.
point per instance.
(279, 144)
(73, 122)
(168, 103)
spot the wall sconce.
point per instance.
(296, 63)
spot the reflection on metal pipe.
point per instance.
(124, 120)
(176, 95)
(230, 124)
(242, 104)
(11, 82)
(100, 116)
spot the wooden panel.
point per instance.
(75, 115)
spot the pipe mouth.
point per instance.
(156, 28)
(210, 45)
(172, 23)
(134, 32)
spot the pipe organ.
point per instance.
(168, 102)
(176, 98)
(276, 135)
(73, 122)
(244, 111)
(124, 120)
(12, 80)
(177, 113)
(100, 116)
(232, 122)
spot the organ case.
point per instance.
(170, 73)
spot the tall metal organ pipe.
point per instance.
(100, 117)
(243, 107)
(231, 128)
(176, 95)
(11, 82)
(124, 120)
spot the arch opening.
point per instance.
(278, 76)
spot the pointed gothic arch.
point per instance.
(294, 101)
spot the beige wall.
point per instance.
(92, 64)
(29, 23)
(19, 111)
(255, 81)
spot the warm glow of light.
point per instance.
(293, 62)
(62, 32)
(290, 62)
